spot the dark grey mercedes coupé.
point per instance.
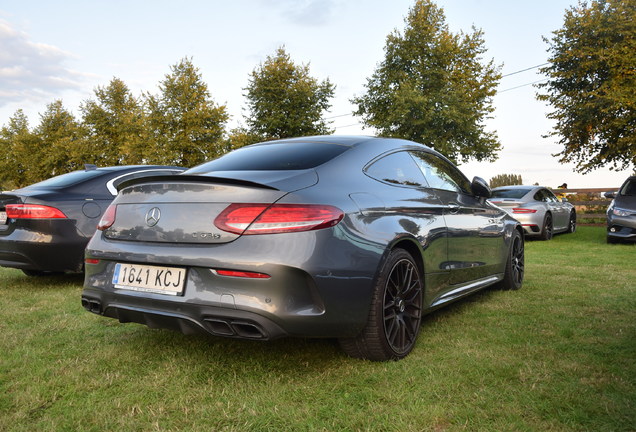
(354, 238)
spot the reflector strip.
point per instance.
(242, 274)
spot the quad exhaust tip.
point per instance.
(91, 305)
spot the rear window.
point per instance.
(272, 157)
(510, 193)
(69, 179)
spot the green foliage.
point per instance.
(285, 101)
(184, 122)
(61, 139)
(433, 88)
(115, 126)
(20, 148)
(240, 137)
(505, 180)
(591, 85)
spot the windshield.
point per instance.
(510, 193)
(272, 157)
(629, 188)
(69, 179)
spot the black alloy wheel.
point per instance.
(572, 224)
(396, 312)
(515, 264)
(546, 233)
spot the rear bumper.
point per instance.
(531, 229)
(191, 318)
(43, 247)
(308, 294)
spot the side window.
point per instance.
(398, 169)
(551, 196)
(544, 196)
(440, 174)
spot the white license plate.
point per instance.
(3, 217)
(154, 279)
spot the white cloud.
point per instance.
(31, 71)
(309, 12)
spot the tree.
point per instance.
(185, 124)
(60, 142)
(433, 88)
(20, 150)
(285, 101)
(115, 126)
(505, 180)
(591, 85)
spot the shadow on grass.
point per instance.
(10, 278)
(285, 356)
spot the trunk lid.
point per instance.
(182, 209)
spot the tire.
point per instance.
(396, 312)
(572, 223)
(515, 264)
(548, 228)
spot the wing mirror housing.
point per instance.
(610, 194)
(480, 188)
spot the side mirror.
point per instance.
(610, 195)
(480, 188)
(564, 200)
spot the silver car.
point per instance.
(540, 212)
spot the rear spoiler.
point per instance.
(181, 178)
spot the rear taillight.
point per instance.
(519, 210)
(33, 211)
(277, 218)
(108, 219)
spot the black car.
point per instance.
(621, 213)
(44, 227)
(352, 238)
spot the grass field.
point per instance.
(557, 355)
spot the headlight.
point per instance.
(620, 212)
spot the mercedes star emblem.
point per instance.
(153, 216)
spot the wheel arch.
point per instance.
(410, 245)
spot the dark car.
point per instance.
(44, 227)
(621, 213)
(352, 238)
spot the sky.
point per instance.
(64, 50)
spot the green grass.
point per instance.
(557, 355)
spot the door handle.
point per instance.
(453, 208)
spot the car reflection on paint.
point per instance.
(354, 238)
